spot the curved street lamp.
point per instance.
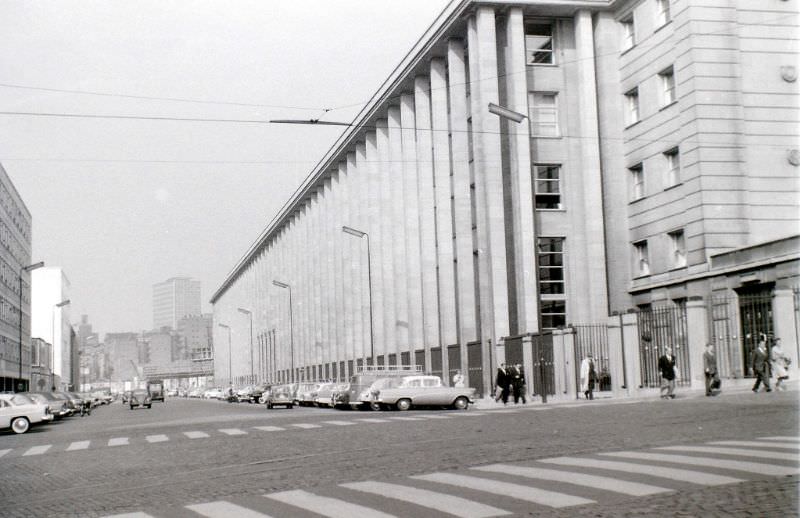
(28, 268)
(359, 234)
(280, 284)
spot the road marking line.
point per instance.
(339, 423)
(270, 428)
(406, 419)
(129, 515)
(232, 431)
(517, 491)
(3, 452)
(37, 450)
(442, 502)
(732, 451)
(437, 416)
(781, 438)
(757, 444)
(118, 441)
(223, 509)
(331, 507)
(373, 420)
(157, 438)
(579, 479)
(306, 426)
(195, 435)
(79, 445)
(753, 467)
(467, 414)
(683, 475)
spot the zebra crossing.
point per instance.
(84, 445)
(521, 488)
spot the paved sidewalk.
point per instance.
(729, 387)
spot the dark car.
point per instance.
(140, 398)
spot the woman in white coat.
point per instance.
(588, 376)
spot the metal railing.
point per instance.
(660, 328)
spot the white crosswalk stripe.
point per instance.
(306, 426)
(781, 438)
(442, 502)
(468, 414)
(437, 416)
(118, 441)
(157, 438)
(339, 423)
(195, 435)
(269, 428)
(519, 492)
(683, 475)
(731, 451)
(404, 418)
(3, 452)
(79, 445)
(711, 462)
(326, 506)
(37, 450)
(580, 479)
(232, 431)
(759, 444)
(373, 420)
(223, 509)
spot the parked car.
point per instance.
(140, 398)
(403, 393)
(196, 392)
(244, 394)
(213, 393)
(258, 391)
(325, 394)
(58, 407)
(306, 393)
(105, 398)
(126, 395)
(357, 393)
(280, 395)
(19, 412)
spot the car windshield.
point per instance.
(139, 392)
(19, 399)
(385, 383)
(47, 395)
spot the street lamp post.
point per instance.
(230, 371)
(359, 234)
(28, 268)
(250, 314)
(291, 322)
(53, 347)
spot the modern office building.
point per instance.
(538, 164)
(50, 321)
(196, 332)
(15, 288)
(173, 299)
(124, 357)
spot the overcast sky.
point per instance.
(123, 204)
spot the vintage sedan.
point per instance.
(280, 395)
(140, 398)
(58, 407)
(19, 412)
(403, 393)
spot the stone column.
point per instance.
(783, 316)
(568, 383)
(630, 339)
(374, 230)
(519, 143)
(398, 231)
(698, 337)
(356, 264)
(329, 274)
(615, 355)
(427, 216)
(317, 275)
(385, 239)
(347, 304)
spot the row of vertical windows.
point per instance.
(671, 172)
(667, 96)
(663, 16)
(677, 253)
(552, 292)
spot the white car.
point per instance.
(213, 393)
(18, 412)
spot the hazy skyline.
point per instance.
(122, 204)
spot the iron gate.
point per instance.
(736, 325)
(593, 338)
(475, 363)
(542, 380)
(660, 328)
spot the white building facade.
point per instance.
(50, 321)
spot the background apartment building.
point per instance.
(51, 322)
(173, 299)
(655, 168)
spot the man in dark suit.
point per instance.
(761, 365)
(666, 365)
(503, 382)
(710, 367)
(517, 382)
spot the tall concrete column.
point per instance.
(362, 223)
(328, 281)
(374, 229)
(385, 239)
(697, 328)
(592, 189)
(519, 143)
(346, 268)
(444, 218)
(615, 357)
(316, 279)
(355, 265)
(783, 316)
(412, 223)
(338, 272)
(632, 355)
(398, 230)
(427, 216)
(462, 199)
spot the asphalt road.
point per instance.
(183, 453)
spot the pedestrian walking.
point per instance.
(588, 376)
(666, 366)
(502, 381)
(710, 367)
(780, 364)
(518, 383)
(458, 379)
(761, 365)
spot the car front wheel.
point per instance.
(461, 403)
(20, 424)
(403, 404)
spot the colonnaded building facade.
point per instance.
(648, 198)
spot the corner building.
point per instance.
(659, 136)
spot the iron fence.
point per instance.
(737, 324)
(593, 339)
(660, 328)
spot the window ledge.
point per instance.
(541, 64)
(625, 51)
(551, 137)
(665, 24)
(668, 105)
(632, 124)
(641, 276)
(673, 186)
(551, 210)
(679, 268)
(637, 200)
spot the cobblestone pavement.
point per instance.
(243, 452)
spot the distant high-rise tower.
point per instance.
(173, 299)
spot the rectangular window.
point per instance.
(544, 114)
(628, 33)
(662, 12)
(552, 293)
(641, 255)
(667, 87)
(538, 43)
(632, 107)
(678, 247)
(637, 182)
(554, 314)
(672, 168)
(547, 186)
